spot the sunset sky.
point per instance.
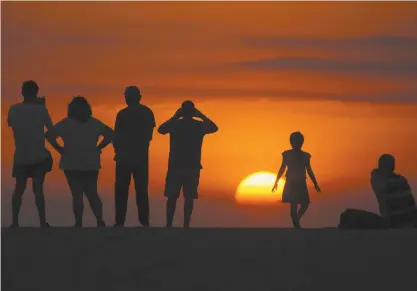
(344, 74)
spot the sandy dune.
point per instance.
(207, 259)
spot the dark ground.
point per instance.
(91, 259)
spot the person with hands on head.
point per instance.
(297, 163)
(184, 164)
(80, 155)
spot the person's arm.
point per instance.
(311, 174)
(168, 125)
(151, 126)
(378, 188)
(107, 134)
(117, 132)
(48, 120)
(208, 125)
(281, 172)
(10, 117)
(52, 134)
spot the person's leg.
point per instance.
(90, 191)
(37, 186)
(188, 211)
(18, 192)
(294, 215)
(302, 210)
(140, 177)
(123, 177)
(173, 186)
(190, 192)
(75, 183)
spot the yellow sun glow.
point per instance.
(257, 189)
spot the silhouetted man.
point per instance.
(31, 158)
(395, 200)
(184, 165)
(133, 133)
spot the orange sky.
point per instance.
(343, 73)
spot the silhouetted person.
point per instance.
(297, 163)
(31, 159)
(80, 155)
(395, 200)
(133, 134)
(184, 165)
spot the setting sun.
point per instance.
(257, 189)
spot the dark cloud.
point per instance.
(322, 65)
(375, 44)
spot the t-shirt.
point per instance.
(80, 143)
(28, 122)
(186, 140)
(133, 133)
(296, 162)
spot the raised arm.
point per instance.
(208, 125)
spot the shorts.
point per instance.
(37, 170)
(187, 179)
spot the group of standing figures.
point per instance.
(131, 138)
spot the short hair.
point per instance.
(296, 140)
(386, 163)
(132, 94)
(79, 109)
(29, 88)
(188, 108)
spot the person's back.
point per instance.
(134, 127)
(297, 162)
(395, 200)
(133, 134)
(186, 140)
(28, 122)
(80, 139)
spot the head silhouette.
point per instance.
(30, 89)
(188, 109)
(296, 140)
(132, 95)
(79, 109)
(386, 163)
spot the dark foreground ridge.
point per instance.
(207, 259)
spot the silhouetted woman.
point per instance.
(80, 155)
(295, 191)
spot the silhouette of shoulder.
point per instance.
(288, 155)
(139, 111)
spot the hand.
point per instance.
(274, 189)
(178, 114)
(316, 186)
(197, 113)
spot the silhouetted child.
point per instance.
(297, 163)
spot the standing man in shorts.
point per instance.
(28, 120)
(184, 165)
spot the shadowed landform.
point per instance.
(207, 259)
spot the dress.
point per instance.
(295, 188)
